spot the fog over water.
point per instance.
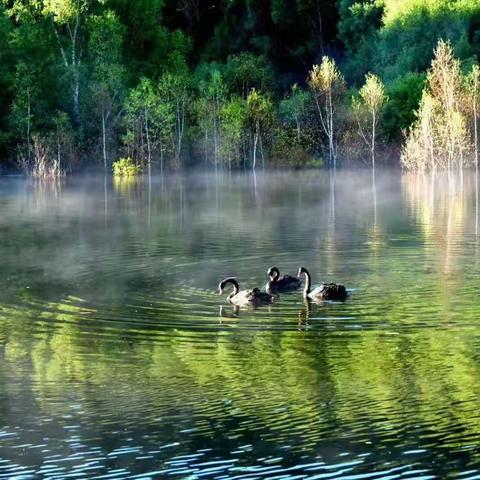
(119, 358)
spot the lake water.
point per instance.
(119, 358)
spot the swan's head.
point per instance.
(301, 271)
(273, 273)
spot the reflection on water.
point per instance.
(120, 359)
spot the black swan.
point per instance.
(326, 291)
(253, 297)
(277, 284)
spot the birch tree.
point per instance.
(420, 149)
(368, 107)
(68, 18)
(259, 115)
(441, 118)
(328, 87)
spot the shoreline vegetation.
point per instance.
(157, 85)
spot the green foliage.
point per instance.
(146, 37)
(246, 71)
(233, 123)
(404, 97)
(358, 30)
(24, 101)
(259, 108)
(107, 80)
(394, 38)
(293, 108)
(122, 73)
(126, 167)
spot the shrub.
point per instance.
(126, 167)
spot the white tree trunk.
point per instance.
(255, 141)
(149, 152)
(373, 138)
(28, 127)
(104, 140)
(475, 125)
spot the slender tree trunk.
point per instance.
(76, 97)
(261, 151)
(161, 159)
(58, 150)
(373, 139)
(331, 133)
(73, 62)
(255, 140)
(28, 127)
(475, 125)
(215, 144)
(104, 139)
(432, 156)
(149, 152)
(206, 147)
(180, 125)
(297, 121)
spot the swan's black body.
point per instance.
(277, 284)
(246, 298)
(326, 291)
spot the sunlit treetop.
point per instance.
(395, 10)
(66, 10)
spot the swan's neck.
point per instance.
(235, 286)
(308, 282)
(275, 275)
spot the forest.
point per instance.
(164, 84)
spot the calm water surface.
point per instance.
(119, 359)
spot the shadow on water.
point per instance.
(119, 358)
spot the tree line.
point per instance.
(225, 85)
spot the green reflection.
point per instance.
(122, 323)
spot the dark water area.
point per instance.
(120, 360)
